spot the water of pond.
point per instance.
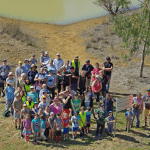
(53, 11)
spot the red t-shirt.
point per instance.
(65, 122)
(95, 72)
(96, 86)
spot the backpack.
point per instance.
(6, 113)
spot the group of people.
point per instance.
(44, 103)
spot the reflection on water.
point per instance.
(52, 11)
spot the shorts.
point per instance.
(17, 116)
(58, 133)
(146, 112)
(66, 130)
(75, 129)
(109, 129)
(88, 125)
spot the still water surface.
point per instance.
(53, 11)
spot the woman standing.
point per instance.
(27, 86)
(97, 86)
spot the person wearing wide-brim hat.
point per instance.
(31, 74)
(75, 63)
(26, 65)
(108, 67)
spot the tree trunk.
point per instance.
(142, 61)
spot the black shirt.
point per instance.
(68, 104)
(108, 65)
(31, 76)
(65, 78)
(104, 81)
(82, 81)
(88, 70)
(74, 80)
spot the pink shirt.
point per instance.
(95, 72)
(27, 123)
(96, 86)
(56, 110)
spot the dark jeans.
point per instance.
(59, 87)
(46, 132)
(97, 96)
(103, 93)
(101, 129)
(74, 87)
(53, 91)
(82, 132)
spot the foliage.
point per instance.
(113, 6)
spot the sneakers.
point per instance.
(21, 137)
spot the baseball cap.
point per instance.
(35, 103)
(75, 112)
(51, 113)
(110, 111)
(20, 62)
(55, 99)
(50, 70)
(33, 54)
(31, 87)
(108, 58)
(148, 89)
(102, 105)
(46, 52)
(4, 60)
(45, 91)
(24, 105)
(87, 61)
(58, 54)
(44, 97)
(10, 73)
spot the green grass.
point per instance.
(134, 140)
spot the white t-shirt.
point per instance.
(58, 63)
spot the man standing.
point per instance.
(26, 65)
(33, 60)
(19, 70)
(146, 99)
(58, 62)
(108, 67)
(46, 59)
(75, 63)
(5, 69)
(88, 68)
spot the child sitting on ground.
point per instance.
(65, 120)
(110, 122)
(27, 128)
(58, 125)
(51, 126)
(43, 127)
(75, 125)
(88, 117)
(129, 118)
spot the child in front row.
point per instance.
(65, 120)
(43, 127)
(58, 126)
(27, 127)
(36, 127)
(88, 117)
(110, 122)
(75, 125)
(51, 126)
(129, 118)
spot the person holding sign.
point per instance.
(146, 99)
(137, 108)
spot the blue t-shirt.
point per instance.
(32, 112)
(50, 80)
(110, 119)
(33, 96)
(88, 116)
(10, 92)
(127, 114)
(75, 121)
(27, 67)
(36, 124)
(43, 124)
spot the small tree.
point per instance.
(135, 30)
(113, 6)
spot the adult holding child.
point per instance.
(11, 79)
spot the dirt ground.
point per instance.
(69, 41)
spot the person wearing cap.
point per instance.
(9, 94)
(74, 78)
(101, 119)
(42, 57)
(146, 99)
(75, 63)
(45, 71)
(50, 82)
(40, 76)
(129, 117)
(88, 68)
(33, 60)
(34, 110)
(110, 122)
(45, 93)
(29, 103)
(75, 124)
(11, 79)
(4, 71)
(26, 65)
(137, 108)
(46, 59)
(108, 102)
(17, 106)
(19, 70)
(58, 62)
(43, 103)
(108, 67)
(32, 73)
(44, 87)
(33, 94)
(52, 67)
(97, 86)
(95, 71)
